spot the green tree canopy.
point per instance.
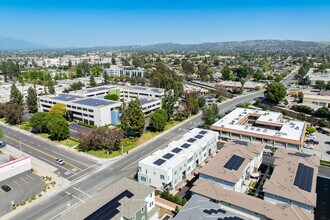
(38, 122)
(158, 120)
(132, 119)
(276, 92)
(16, 96)
(32, 100)
(92, 82)
(58, 109)
(58, 128)
(113, 97)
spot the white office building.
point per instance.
(117, 71)
(93, 111)
(261, 126)
(167, 168)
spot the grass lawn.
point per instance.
(25, 125)
(3, 120)
(131, 143)
(67, 142)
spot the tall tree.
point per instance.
(135, 117)
(32, 100)
(168, 103)
(92, 82)
(16, 96)
(51, 88)
(38, 122)
(106, 78)
(158, 120)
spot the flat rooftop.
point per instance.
(147, 101)
(222, 165)
(178, 150)
(294, 176)
(64, 97)
(215, 191)
(94, 102)
(289, 130)
(314, 74)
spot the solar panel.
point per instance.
(191, 140)
(110, 209)
(203, 132)
(93, 102)
(299, 154)
(168, 156)
(185, 145)
(159, 162)
(176, 150)
(241, 142)
(304, 177)
(199, 136)
(234, 162)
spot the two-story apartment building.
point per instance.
(293, 180)
(233, 164)
(167, 168)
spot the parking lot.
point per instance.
(23, 186)
(74, 129)
(323, 148)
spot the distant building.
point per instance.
(315, 75)
(293, 180)
(319, 100)
(261, 126)
(167, 168)
(248, 86)
(117, 71)
(235, 162)
(125, 199)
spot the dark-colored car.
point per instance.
(311, 141)
(6, 188)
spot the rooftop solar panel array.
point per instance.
(241, 142)
(185, 145)
(234, 162)
(203, 132)
(66, 97)
(199, 136)
(304, 177)
(168, 156)
(176, 150)
(93, 102)
(191, 140)
(159, 162)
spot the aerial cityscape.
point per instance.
(169, 110)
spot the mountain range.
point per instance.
(7, 43)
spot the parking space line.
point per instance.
(24, 180)
(17, 183)
(30, 177)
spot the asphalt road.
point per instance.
(77, 192)
(75, 165)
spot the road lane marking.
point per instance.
(30, 177)
(79, 190)
(40, 151)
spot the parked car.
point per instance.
(267, 153)
(309, 146)
(311, 141)
(60, 161)
(6, 188)
(2, 144)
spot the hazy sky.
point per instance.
(65, 23)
